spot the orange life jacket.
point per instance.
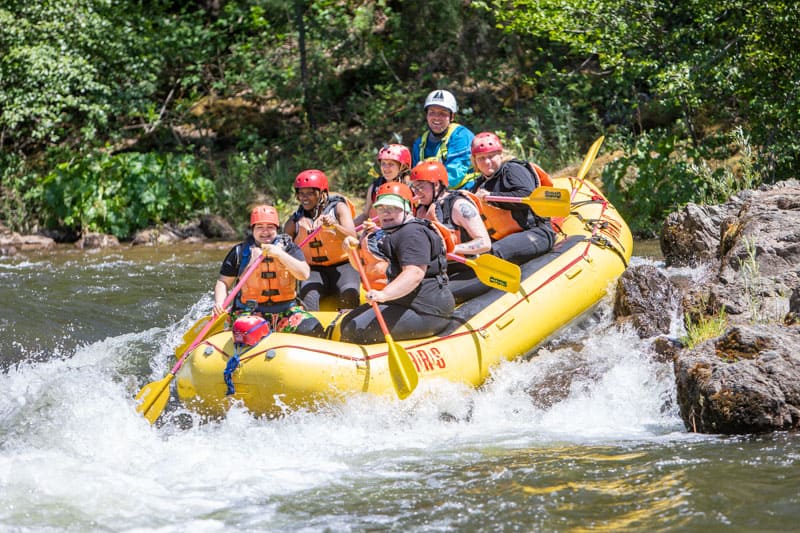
(498, 221)
(326, 249)
(270, 283)
(375, 263)
(544, 177)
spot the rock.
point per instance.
(152, 236)
(216, 227)
(666, 348)
(11, 244)
(745, 381)
(748, 379)
(647, 299)
(692, 235)
(96, 240)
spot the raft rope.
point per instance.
(230, 368)
(239, 348)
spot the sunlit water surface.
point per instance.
(583, 436)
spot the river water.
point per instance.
(583, 437)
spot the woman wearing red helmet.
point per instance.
(270, 290)
(459, 212)
(518, 234)
(395, 163)
(331, 273)
(416, 301)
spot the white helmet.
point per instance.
(443, 99)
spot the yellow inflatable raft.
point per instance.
(287, 371)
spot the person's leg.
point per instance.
(297, 320)
(521, 247)
(348, 284)
(312, 290)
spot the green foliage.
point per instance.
(703, 328)
(253, 177)
(660, 173)
(124, 193)
(69, 66)
(674, 84)
(19, 191)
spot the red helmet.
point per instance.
(315, 179)
(264, 214)
(431, 170)
(395, 152)
(397, 188)
(486, 142)
(250, 329)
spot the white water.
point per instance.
(584, 435)
(76, 454)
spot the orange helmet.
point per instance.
(264, 214)
(430, 170)
(395, 152)
(250, 329)
(395, 188)
(486, 142)
(315, 179)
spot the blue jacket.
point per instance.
(453, 150)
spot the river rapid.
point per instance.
(585, 435)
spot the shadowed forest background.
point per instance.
(116, 115)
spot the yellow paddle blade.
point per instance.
(549, 201)
(191, 335)
(590, 155)
(496, 272)
(153, 398)
(402, 370)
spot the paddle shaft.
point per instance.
(401, 368)
(365, 281)
(228, 299)
(316, 232)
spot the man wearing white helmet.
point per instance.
(445, 140)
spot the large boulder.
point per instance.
(745, 381)
(646, 299)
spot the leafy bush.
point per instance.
(123, 193)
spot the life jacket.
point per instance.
(325, 249)
(380, 270)
(540, 175)
(500, 222)
(271, 282)
(441, 152)
(374, 261)
(442, 213)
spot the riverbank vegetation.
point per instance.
(119, 115)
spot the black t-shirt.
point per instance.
(410, 244)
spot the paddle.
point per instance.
(493, 271)
(589, 159)
(545, 201)
(550, 201)
(401, 367)
(318, 229)
(153, 397)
